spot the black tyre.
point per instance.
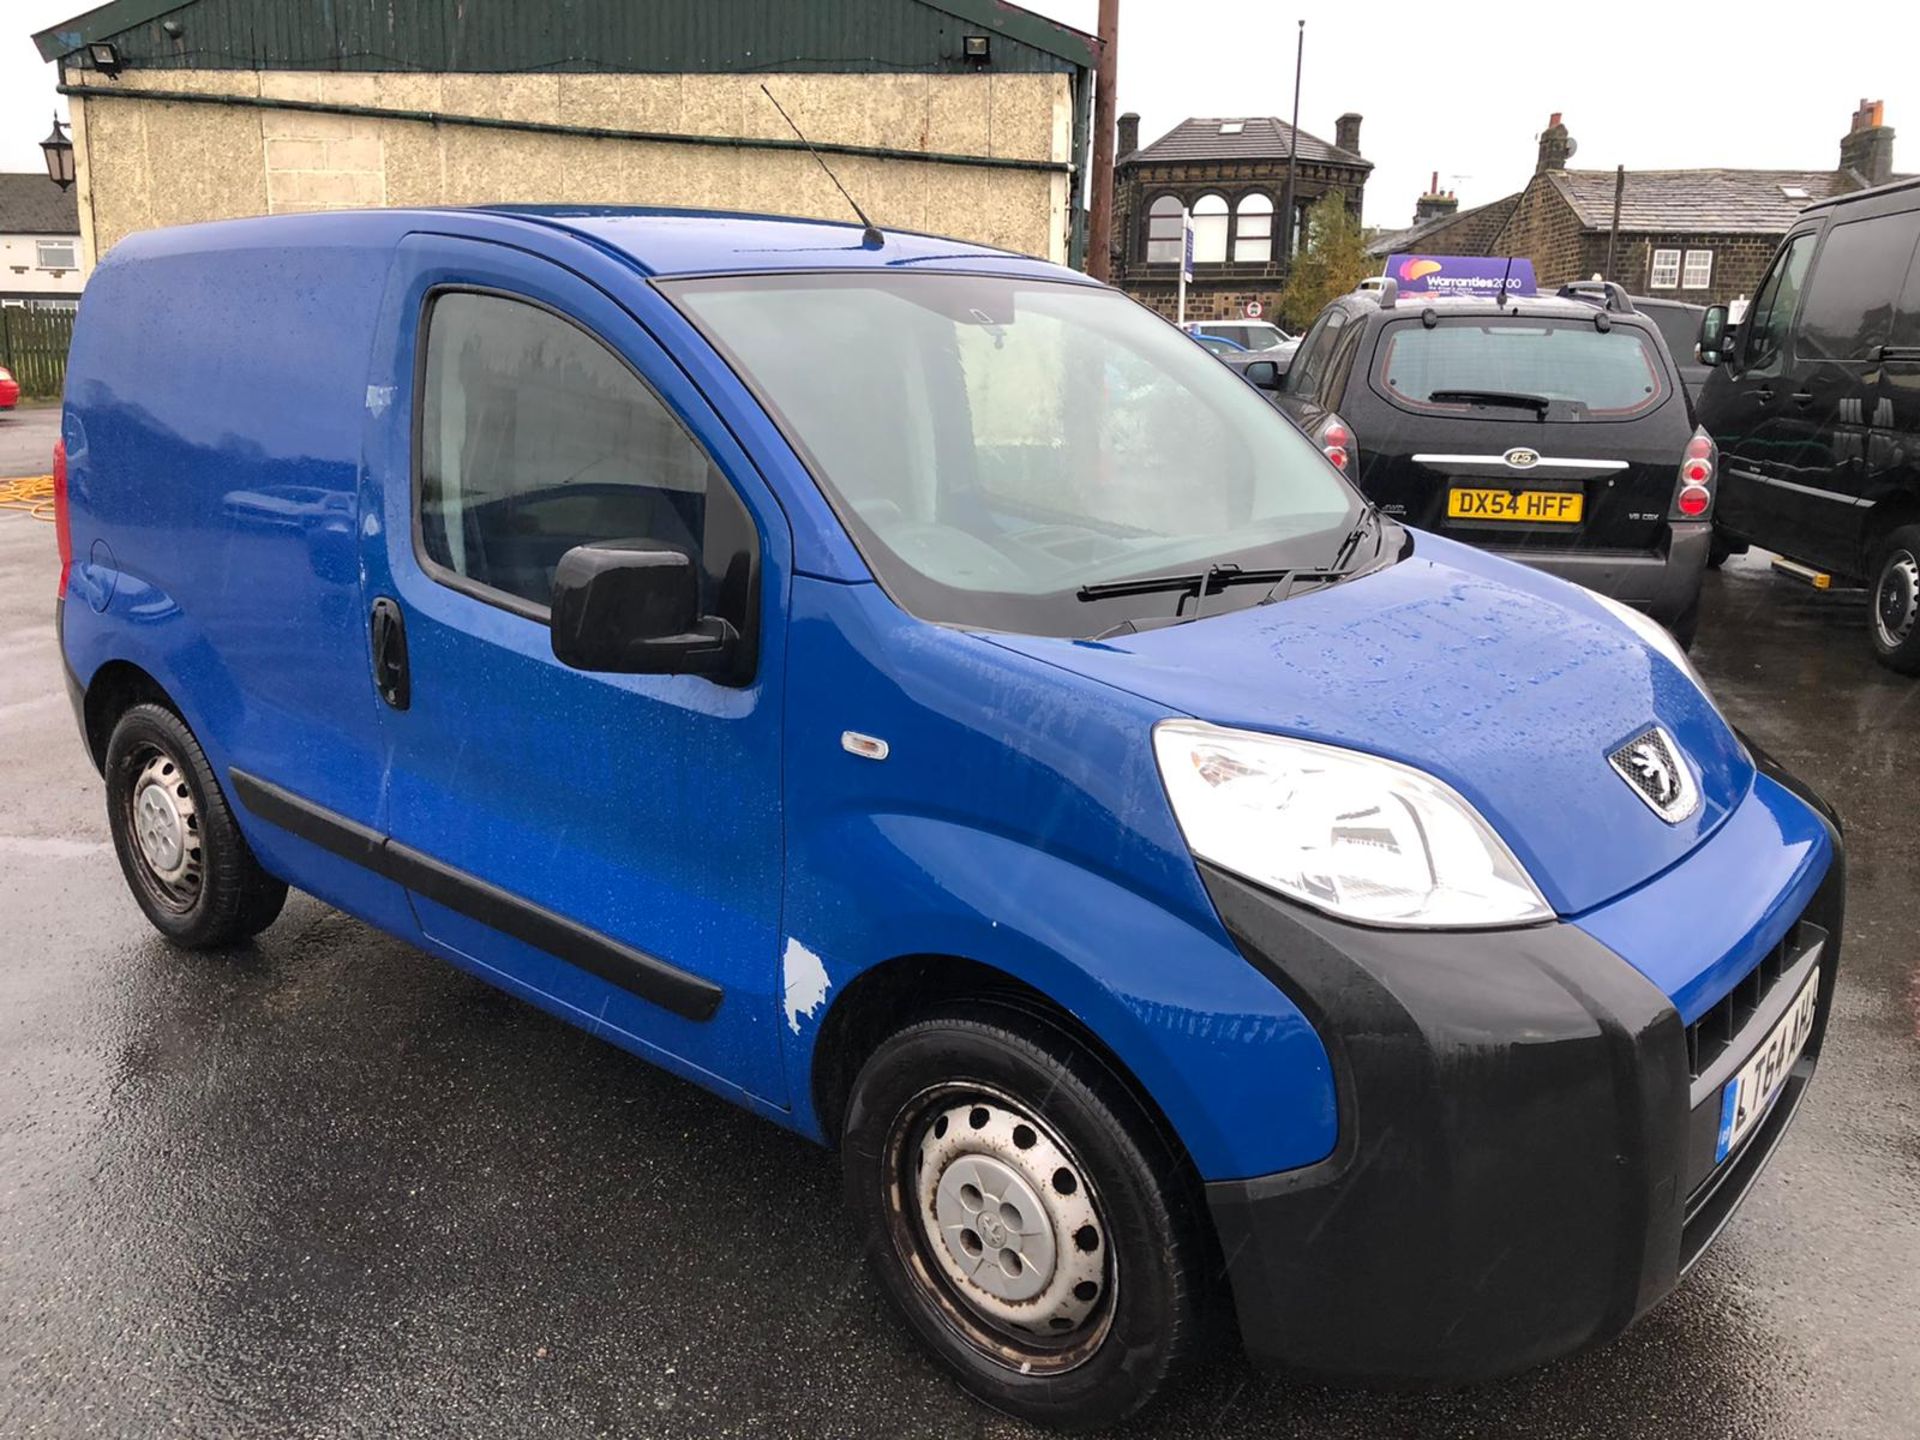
(1033, 1227)
(1719, 549)
(185, 860)
(1893, 616)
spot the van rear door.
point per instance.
(608, 845)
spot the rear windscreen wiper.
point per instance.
(1511, 399)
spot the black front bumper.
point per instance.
(1520, 1168)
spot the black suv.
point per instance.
(1816, 405)
(1553, 430)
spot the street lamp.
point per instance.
(59, 152)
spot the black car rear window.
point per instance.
(1586, 373)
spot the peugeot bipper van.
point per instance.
(917, 694)
(1815, 400)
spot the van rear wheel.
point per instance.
(1025, 1219)
(185, 860)
(1894, 602)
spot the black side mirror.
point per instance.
(1263, 374)
(634, 609)
(1713, 335)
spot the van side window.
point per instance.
(1905, 333)
(535, 438)
(1772, 310)
(1850, 295)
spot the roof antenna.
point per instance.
(1505, 275)
(872, 238)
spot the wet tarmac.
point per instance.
(327, 1186)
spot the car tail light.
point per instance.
(1693, 495)
(1336, 443)
(62, 519)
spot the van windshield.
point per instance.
(994, 445)
(1596, 374)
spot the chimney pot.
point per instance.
(1867, 147)
(1346, 132)
(1554, 146)
(1129, 135)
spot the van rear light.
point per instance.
(62, 518)
(1336, 443)
(1693, 494)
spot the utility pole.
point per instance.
(1293, 152)
(1613, 235)
(1100, 199)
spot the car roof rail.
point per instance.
(1608, 294)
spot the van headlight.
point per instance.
(1359, 837)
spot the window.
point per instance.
(1253, 229)
(1163, 232)
(1599, 374)
(1232, 127)
(1767, 318)
(1906, 318)
(1697, 273)
(535, 438)
(1666, 270)
(59, 254)
(1796, 192)
(994, 443)
(1210, 230)
(1310, 360)
(1850, 294)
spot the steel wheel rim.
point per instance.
(163, 824)
(1021, 1268)
(1896, 599)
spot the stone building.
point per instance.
(1703, 236)
(1232, 175)
(962, 117)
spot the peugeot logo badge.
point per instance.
(1650, 763)
(1521, 458)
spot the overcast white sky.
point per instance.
(1460, 87)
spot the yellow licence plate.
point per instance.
(1540, 507)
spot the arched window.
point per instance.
(1163, 231)
(1210, 230)
(1253, 229)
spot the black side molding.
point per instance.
(632, 970)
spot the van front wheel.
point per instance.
(188, 866)
(1894, 602)
(1023, 1216)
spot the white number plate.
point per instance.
(1749, 1093)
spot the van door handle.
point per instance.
(389, 634)
(1803, 398)
(1764, 394)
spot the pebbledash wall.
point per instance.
(150, 161)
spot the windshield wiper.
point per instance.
(1352, 541)
(1201, 583)
(1511, 399)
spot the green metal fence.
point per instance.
(33, 345)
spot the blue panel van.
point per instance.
(917, 694)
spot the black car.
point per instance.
(1679, 325)
(1815, 402)
(1553, 430)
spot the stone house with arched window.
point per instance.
(1232, 175)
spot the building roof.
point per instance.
(31, 204)
(1260, 137)
(1699, 201)
(616, 36)
(1399, 242)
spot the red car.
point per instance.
(9, 389)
